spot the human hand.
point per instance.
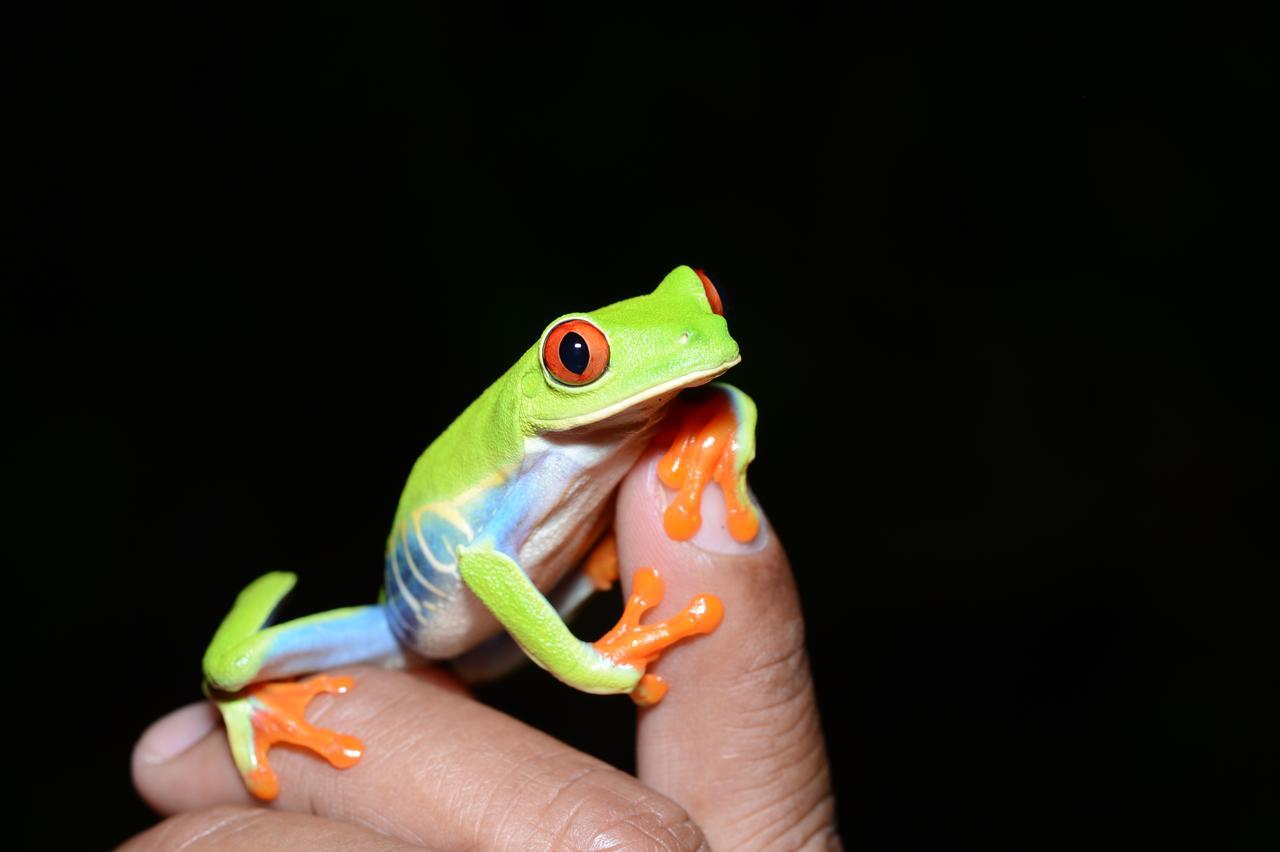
(732, 757)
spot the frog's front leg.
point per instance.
(710, 437)
(615, 663)
(245, 656)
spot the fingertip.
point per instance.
(182, 762)
(643, 538)
(171, 735)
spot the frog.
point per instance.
(505, 523)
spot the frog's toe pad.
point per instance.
(649, 691)
(275, 713)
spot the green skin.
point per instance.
(659, 344)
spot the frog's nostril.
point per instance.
(684, 338)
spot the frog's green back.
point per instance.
(482, 443)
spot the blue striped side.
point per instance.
(421, 577)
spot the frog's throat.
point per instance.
(688, 380)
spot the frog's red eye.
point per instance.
(575, 352)
(713, 295)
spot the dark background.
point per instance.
(988, 268)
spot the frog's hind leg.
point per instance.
(265, 714)
(246, 653)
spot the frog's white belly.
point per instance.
(586, 478)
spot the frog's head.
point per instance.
(633, 355)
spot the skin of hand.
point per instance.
(732, 758)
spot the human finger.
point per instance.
(206, 774)
(737, 738)
(247, 827)
(438, 767)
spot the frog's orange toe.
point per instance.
(601, 565)
(263, 782)
(631, 643)
(649, 690)
(277, 717)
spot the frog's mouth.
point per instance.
(645, 405)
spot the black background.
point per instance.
(987, 266)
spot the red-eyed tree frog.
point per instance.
(501, 508)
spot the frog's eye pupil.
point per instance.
(574, 353)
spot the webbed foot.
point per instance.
(634, 644)
(264, 714)
(713, 441)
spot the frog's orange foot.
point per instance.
(706, 448)
(276, 714)
(631, 643)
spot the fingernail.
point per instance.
(177, 732)
(713, 535)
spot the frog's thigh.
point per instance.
(533, 622)
(243, 651)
